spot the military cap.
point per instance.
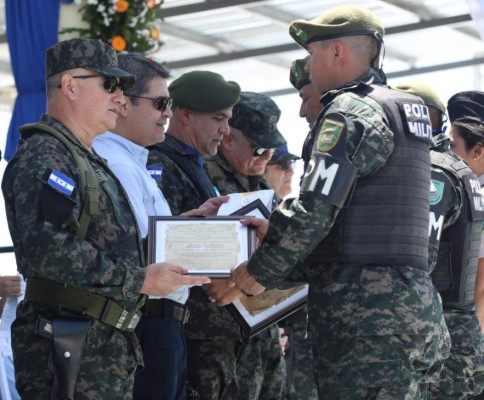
(91, 54)
(337, 22)
(256, 115)
(298, 75)
(282, 154)
(204, 91)
(425, 92)
(467, 106)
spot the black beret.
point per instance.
(337, 22)
(467, 106)
(204, 91)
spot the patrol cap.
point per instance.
(282, 154)
(425, 92)
(467, 106)
(92, 54)
(256, 115)
(337, 22)
(297, 74)
(204, 91)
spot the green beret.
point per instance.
(91, 54)
(425, 92)
(297, 75)
(204, 91)
(256, 115)
(337, 22)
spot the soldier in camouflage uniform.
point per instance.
(299, 357)
(360, 222)
(238, 168)
(78, 249)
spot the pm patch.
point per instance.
(329, 134)
(61, 183)
(155, 172)
(436, 191)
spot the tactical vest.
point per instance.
(192, 169)
(455, 272)
(385, 220)
(89, 183)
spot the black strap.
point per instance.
(167, 308)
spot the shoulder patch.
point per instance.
(329, 134)
(436, 191)
(61, 182)
(155, 171)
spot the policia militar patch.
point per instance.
(416, 120)
(330, 175)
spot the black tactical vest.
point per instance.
(385, 221)
(455, 272)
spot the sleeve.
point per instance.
(298, 225)
(47, 250)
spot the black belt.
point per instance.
(81, 301)
(167, 308)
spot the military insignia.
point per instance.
(61, 182)
(329, 134)
(436, 191)
(101, 177)
(297, 71)
(155, 172)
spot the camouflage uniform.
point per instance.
(109, 262)
(373, 327)
(260, 366)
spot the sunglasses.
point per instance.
(161, 103)
(284, 165)
(258, 151)
(110, 84)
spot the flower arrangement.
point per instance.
(127, 25)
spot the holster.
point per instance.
(69, 333)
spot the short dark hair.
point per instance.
(144, 69)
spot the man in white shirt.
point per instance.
(142, 123)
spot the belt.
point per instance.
(167, 308)
(81, 301)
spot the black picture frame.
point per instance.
(253, 324)
(199, 237)
(255, 208)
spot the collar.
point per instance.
(192, 151)
(138, 152)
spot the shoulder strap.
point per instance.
(89, 184)
(216, 175)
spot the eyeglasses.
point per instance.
(258, 151)
(161, 103)
(110, 84)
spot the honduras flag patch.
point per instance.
(155, 172)
(61, 183)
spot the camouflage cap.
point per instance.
(298, 75)
(425, 92)
(256, 115)
(92, 54)
(337, 22)
(467, 106)
(282, 154)
(204, 91)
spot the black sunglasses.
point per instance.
(161, 103)
(110, 84)
(258, 151)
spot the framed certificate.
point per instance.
(255, 208)
(209, 246)
(255, 313)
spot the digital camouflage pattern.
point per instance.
(177, 186)
(261, 368)
(462, 374)
(92, 54)
(109, 262)
(256, 115)
(374, 328)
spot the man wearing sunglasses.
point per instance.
(280, 170)
(142, 123)
(239, 167)
(76, 240)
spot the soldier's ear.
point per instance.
(478, 151)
